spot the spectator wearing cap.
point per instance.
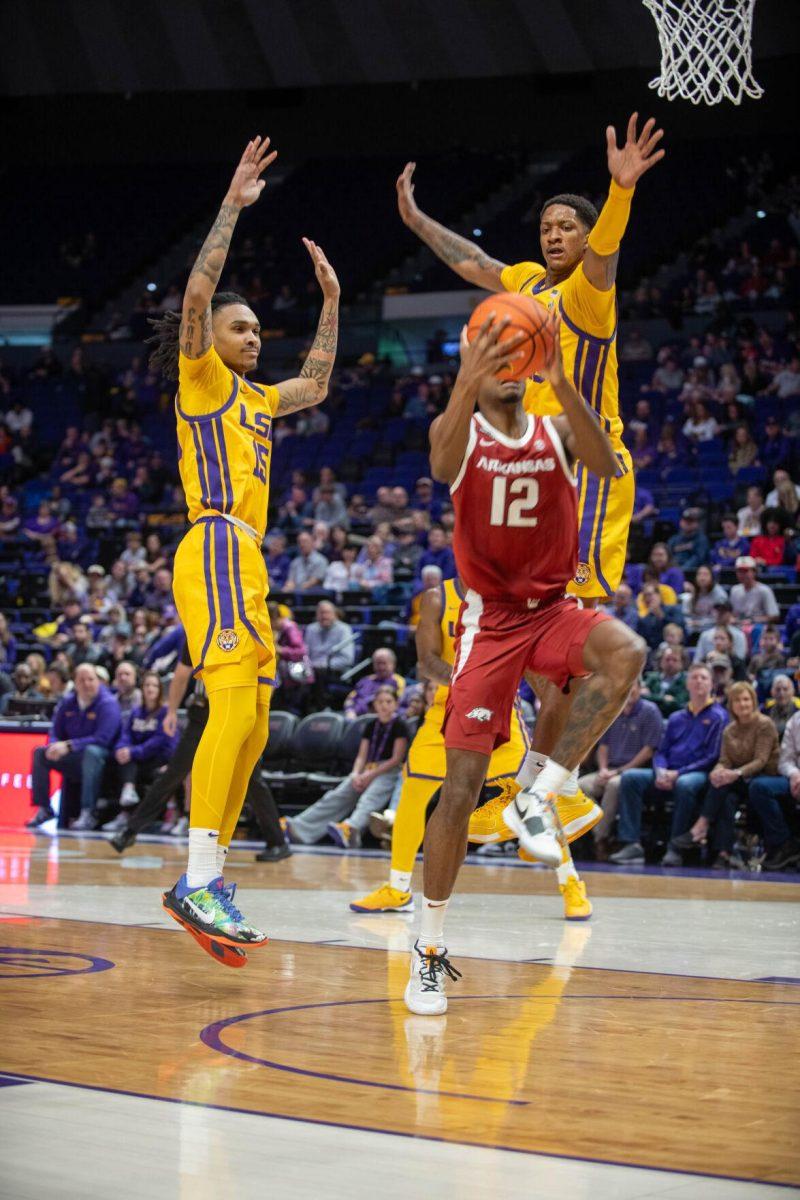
(749, 516)
(783, 702)
(424, 499)
(721, 667)
(774, 800)
(689, 547)
(776, 449)
(687, 752)
(438, 554)
(731, 545)
(330, 507)
(752, 601)
(771, 548)
(723, 619)
(86, 725)
(384, 664)
(629, 743)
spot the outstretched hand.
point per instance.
(405, 194)
(326, 276)
(553, 366)
(246, 185)
(639, 153)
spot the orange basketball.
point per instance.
(526, 316)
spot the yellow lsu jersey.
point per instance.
(426, 755)
(224, 440)
(588, 342)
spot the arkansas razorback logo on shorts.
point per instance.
(583, 573)
(227, 639)
(480, 714)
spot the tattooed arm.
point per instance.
(463, 256)
(244, 190)
(311, 386)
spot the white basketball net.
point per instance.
(706, 48)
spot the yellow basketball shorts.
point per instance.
(220, 586)
(605, 508)
(427, 758)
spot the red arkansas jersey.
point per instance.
(516, 508)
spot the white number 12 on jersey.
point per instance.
(527, 491)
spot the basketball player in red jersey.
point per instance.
(516, 548)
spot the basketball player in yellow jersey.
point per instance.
(424, 773)
(220, 580)
(580, 249)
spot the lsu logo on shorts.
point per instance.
(227, 640)
(583, 573)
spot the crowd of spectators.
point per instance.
(94, 520)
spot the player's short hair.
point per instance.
(166, 331)
(586, 211)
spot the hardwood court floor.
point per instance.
(583, 1042)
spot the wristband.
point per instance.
(607, 233)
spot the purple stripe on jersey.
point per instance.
(212, 608)
(226, 471)
(582, 332)
(209, 416)
(212, 465)
(576, 373)
(201, 468)
(239, 594)
(222, 532)
(598, 542)
(601, 376)
(589, 372)
(587, 520)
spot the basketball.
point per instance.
(527, 316)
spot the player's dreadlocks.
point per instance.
(165, 339)
(586, 211)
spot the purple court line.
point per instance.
(387, 950)
(211, 1036)
(421, 1137)
(472, 860)
(34, 959)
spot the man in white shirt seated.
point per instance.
(750, 600)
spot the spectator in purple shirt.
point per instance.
(668, 573)
(158, 596)
(730, 546)
(85, 726)
(359, 701)
(144, 746)
(775, 450)
(122, 503)
(438, 554)
(43, 528)
(689, 749)
(277, 560)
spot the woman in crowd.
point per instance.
(144, 746)
(722, 643)
(66, 582)
(343, 813)
(771, 548)
(667, 571)
(699, 599)
(743, 449)
(749, 748)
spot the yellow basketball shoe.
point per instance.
(577, 905)
(577, 814)
(384, 899)
(486, 824)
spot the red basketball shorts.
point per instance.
(495, 644)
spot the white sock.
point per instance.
(432, 929)
(202, 866)
(400, 880)
(222, 854)
(570, 786)
(567, 869)
(552, 778)
(531, 768)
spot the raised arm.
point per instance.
(245, 188)
(449, 434)
(578, 428)
(626, 166)
(311, 386)
(429, 638)
(463, 256)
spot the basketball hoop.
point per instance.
(706, 50)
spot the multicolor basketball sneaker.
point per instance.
(210, 915)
